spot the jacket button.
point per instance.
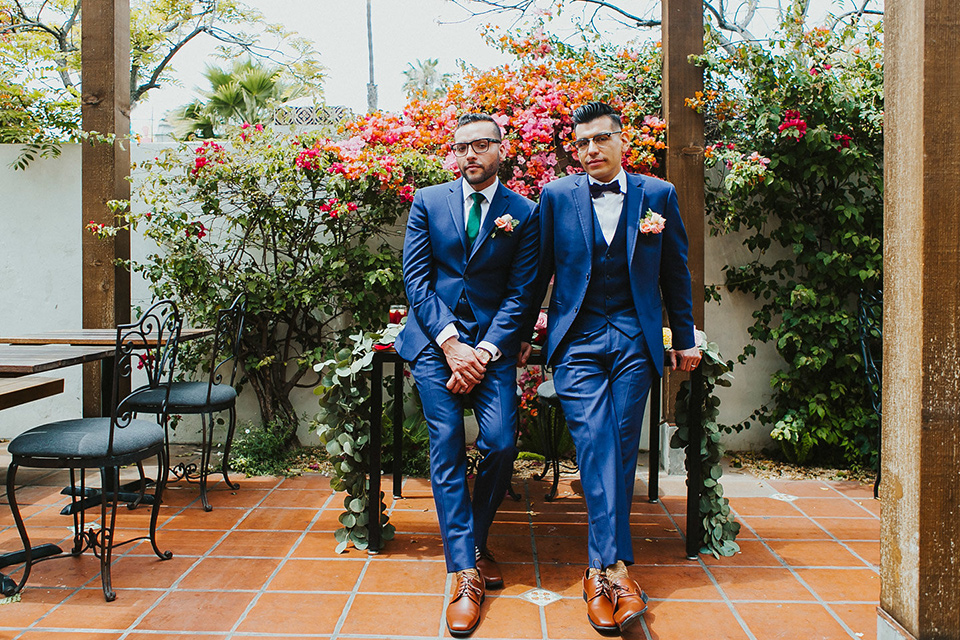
(466, 277)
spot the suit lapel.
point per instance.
(455, 204)
(497, 208)
(584, 206)
(633, 209)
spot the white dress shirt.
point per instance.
(451, 329)
(609, 206)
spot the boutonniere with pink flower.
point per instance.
(505, 223)
(653, 222)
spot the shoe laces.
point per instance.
(467, 585)
(605, 586)
(620, 590)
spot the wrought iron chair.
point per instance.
(106, 443)
(553, 433)
(206, 398)
(870, 321)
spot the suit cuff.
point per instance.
(446, 333)
(490, 348)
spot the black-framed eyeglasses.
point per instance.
(480, 145)
(582, 144)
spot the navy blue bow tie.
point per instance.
(597, 190)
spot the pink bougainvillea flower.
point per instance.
(843, 139)
(793, 120)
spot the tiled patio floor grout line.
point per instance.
(263, 587)
(447, 584)
(542, 611)
(840, 542)
(726, 600)
(796, 575)
(176, 583)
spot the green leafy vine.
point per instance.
(343, 426)
(719, 527)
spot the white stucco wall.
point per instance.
(40, 289)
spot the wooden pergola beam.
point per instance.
(105, 109)
(682, 33)
(920, 490)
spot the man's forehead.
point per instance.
(599, 124)
(471, 130)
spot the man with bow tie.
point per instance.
(615, 244)
(469, 265)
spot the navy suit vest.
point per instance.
(609, 298)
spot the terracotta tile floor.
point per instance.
(262, 565)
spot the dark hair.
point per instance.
(470, 118)
(593, 110)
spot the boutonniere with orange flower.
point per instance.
(653, 222)
(505, 223)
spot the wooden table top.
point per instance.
(21, 360)
(27, 389)
(97, 337)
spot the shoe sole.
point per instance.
(614, 630)
(464, 634)
(629, 621)
(493, 585)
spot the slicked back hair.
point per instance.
(593, 110)
(470, 118)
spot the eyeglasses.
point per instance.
(582, 144)
(480, 145)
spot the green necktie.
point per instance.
(473, 220)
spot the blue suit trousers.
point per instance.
(465, 523)
(602, 380)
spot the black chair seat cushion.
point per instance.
(185, 397)
(85, 438)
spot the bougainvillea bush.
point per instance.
(304, 225)
(796, 139)
(532, 99)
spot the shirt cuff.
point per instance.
(490, 348)
(446, 333)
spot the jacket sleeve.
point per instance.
(675, 286)
(507, 323)
(418, 277)
(545, 267)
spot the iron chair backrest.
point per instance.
(149, 344)
(870, 321)
(228, 331)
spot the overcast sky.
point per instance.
(404, 31)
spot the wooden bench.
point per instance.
(14, 391)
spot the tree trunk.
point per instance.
(276, 409)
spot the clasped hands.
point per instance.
(468, 365)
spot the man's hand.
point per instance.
(685, 359)
(467, 365)
(525, 350)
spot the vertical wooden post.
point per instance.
(105, 80)
(920, 490)
(682, 32)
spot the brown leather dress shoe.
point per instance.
(463, 612)
(629, 601)
(489, 570)
(597, 594)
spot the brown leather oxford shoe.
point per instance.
(597, 595)
(489, 570)
(463, 612)
(629, 601)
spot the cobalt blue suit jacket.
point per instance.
(497, 277)
(657, 262)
